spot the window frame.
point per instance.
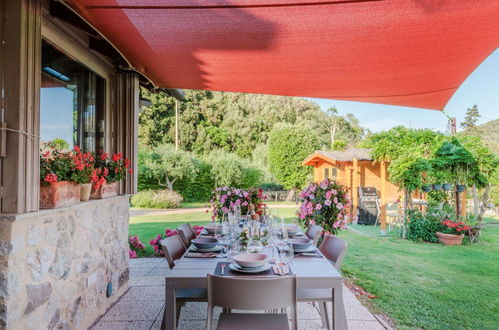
(77, 50)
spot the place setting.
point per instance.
(252, 264)
(204, 247)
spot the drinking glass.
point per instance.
(287, 253)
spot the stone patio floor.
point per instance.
(141, 307)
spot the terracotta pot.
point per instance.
(105, 190)
(450, 239)
(85, 189)
(59, 194)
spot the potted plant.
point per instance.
(452, 232)
(326, 204)
(426, 187)
(107, 173)
(447, 187)
(57, 187)
(83, 168)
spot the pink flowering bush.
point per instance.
(326, 204)
(197, 230)
(155, 242)
(136, 247)
(225, 199)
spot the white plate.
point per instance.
(214, 249)
(238, 268)
(311, 248)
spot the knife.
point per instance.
(223, 269)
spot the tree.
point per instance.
(166, 165)
(288, 147)
(471, 119)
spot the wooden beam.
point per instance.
(355, 186)
(383, 197)
(463, 204)
(126, 124)
(20, 62)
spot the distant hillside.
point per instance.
(489, 132)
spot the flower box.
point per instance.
(59, 194)
(105, 190)
(450, 239)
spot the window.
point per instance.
(72, 102)
(334, 173)
(326, 173)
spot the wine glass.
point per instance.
(287, 253)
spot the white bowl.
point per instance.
(210, 228)
(301, 243)
(251, 260)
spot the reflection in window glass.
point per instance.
(71, 102)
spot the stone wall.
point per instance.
(55, 265)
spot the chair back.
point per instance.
(334, 249)
(186, 233)
(314, 232)
(173, 249)
(251, 293)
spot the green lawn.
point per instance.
(148, 226)
(429, 286)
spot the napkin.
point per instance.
(280, 269)
(200, 255)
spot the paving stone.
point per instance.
(123, 325)
(145, 293)
(146, 262)
(151, 280)
(364, 325)
(134, 280)
(140, 271)
(307, 311)
(158, 271)
(126, 310)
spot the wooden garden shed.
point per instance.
(353, 168)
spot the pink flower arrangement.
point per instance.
(326, 204)
(132, 254)
(225, 199)
(155, 242)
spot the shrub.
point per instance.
(137, 248)
(422, 228)
(270, 186)
(157, 199)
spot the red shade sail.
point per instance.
(402, 52)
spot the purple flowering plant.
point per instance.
(225, 199)
(325, 203)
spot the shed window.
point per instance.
(72, 99)
(334, 173)
(326, 173)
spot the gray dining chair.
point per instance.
(173, 249)
(246, 293)
(314, 232)
(334, 249)
(186, 233)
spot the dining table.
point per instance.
(311, 273)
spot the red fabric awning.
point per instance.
(402, 52)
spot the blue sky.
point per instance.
(481, 87)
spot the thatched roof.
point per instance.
(341, 156)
